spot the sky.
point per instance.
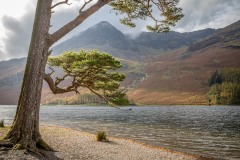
(16, 20)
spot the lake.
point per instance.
(209, 131)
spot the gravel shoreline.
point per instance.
(77, 145)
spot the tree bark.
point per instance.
(24, 133)
(25, 130)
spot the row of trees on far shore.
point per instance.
(225, 87)
(85, 98)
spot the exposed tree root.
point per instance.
(34, 147)
(41, 144)
(6, 144)
(17, 140)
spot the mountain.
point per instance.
(11, 67)
(105, 37)
(225, 37)
(161, 68)
(11, 74)
(172, 40)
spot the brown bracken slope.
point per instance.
(172, 80)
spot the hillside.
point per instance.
(228, 37)
(171, 80)
(181, 76)
(176, 73)
(11, 73)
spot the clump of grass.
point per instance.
(2, 123)
(101, 136)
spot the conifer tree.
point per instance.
(24, 133)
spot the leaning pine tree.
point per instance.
(88, 69)
(24, 133)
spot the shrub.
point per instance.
(101, 136)
(1, 123)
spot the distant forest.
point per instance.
(225, 87)
(86, 98)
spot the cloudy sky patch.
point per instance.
(17, 20)
(201, 14)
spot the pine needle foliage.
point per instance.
(93, 70)
(163, 13)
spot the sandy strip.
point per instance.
(76, 145)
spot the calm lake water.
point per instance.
(202, 130)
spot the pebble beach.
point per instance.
(72, 144)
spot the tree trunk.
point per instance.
(25, 130)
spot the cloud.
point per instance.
(207, 14)
(199, 14)
(3, 56)
(17, 34)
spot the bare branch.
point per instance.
(57, 90)
(51, 70)
(63, 2)
(104, 98)
(59, 80)
(50, 52)
(84, 5)
(78, 20)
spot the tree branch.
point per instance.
(51, 70)
(63, 2)
(50, 52)
(104, 98)
(84, 5)
(59, 80)
(55, 89)
(78, 20)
